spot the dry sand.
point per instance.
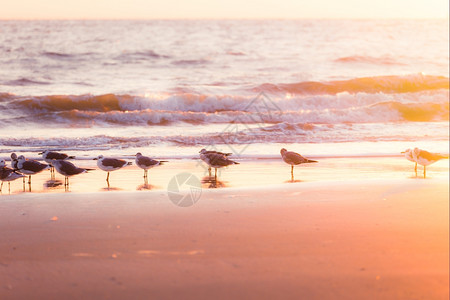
(364, 239)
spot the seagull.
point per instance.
(216, 160)
(426, 158)
(14, 161)
(7, 174)
(110, 164)
(293, 158)
(30, 167)
(409, 156)
(145, 162)
(50, 156)
(68, 169)
(205, 152)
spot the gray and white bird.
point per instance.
(426, 158)
(7, 174)
(30, 167)
(50, 156)
(110, 164)
(14, 161)
(145, 162)
(203, 152)
(216, 160)
(67, 169)
(293, 159)
(408, 153)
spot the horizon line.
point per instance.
(225, 19)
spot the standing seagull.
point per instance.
(409, 156)
(426, 158)
(67, 169)
(145, 162)
(293, 158)
(216, 160)
(7, 174)
(30, 167)
(50, 156)
(14, 161)
(110, 164)
(205, 152)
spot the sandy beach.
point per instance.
(365, 238)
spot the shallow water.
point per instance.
(260, 173)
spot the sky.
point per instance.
(221, 9)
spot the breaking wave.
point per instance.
(377, 84)
(431, 103)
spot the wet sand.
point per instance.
(249, 173)
(352, 239)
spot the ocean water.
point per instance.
(169, 88)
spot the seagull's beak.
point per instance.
(403, 152)
(95, 158)
(40, 153)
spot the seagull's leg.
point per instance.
(215, 174)
(415, 168)
(29, 179)
(1, 186)
(107, 178)
(9, 187)
(145, 177)
(209, 170)
(292, 172)
(424, 171)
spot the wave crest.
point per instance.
(383, 84)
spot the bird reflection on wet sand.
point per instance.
(293, 180)
(52, 183)
(145, 186)
(212, 182)
(110, 188)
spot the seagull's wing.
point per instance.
(219, 160)
(113, 162)
(56, 155)
(33, 165)
(294, 158)
(147, 161)
(431, 156)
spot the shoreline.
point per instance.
(250, 173)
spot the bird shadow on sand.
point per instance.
(293, 181)
(110, 189)
(212, 183)
(145, 187)
(418, 177)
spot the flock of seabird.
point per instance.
(22, 167)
